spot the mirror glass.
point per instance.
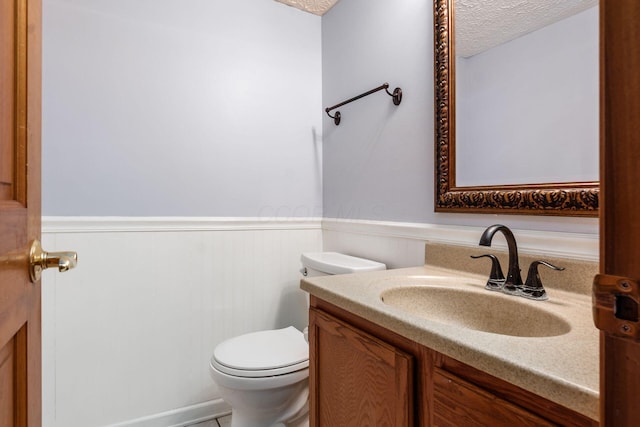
(526, 92)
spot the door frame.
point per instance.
(620, 196)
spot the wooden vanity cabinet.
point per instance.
(364, 375)
(359, 374)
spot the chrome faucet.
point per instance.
(513, 285)
(513, 282)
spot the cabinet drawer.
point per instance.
(460, 403)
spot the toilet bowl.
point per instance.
(264, 376)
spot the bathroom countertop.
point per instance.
(563, 368)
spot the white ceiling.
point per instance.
(317, 7)
(483, 24)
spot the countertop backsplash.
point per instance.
(576, 277)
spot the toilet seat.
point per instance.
(262, 354)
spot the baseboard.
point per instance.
(181, 417)
(563, 245)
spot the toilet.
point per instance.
(264, 376)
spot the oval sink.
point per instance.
(479, 310)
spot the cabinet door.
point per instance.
(459, 403)
(355, 378)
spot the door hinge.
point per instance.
(615, 306)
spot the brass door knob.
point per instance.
(40, 260)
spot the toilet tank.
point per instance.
(326, 263)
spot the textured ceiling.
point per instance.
(483, 24)
(317, 7)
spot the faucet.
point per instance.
(513, 285)
(513, 282)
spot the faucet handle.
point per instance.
(532, 287)
(496, 277)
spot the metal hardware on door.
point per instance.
(41, 260)
(615, 306)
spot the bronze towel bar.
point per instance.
(396, 95)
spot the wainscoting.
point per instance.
(128, 334)
(401, 244)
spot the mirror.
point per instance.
(517, 108)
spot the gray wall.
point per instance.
(379, 163)
(200, 108)
(188, 108)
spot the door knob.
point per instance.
(41, 260)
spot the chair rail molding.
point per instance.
(90, 224)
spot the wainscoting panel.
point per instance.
(400, 244)
(127, 336)
(129, 332)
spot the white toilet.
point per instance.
(264, 375)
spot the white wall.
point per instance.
(129, 333)
(379, 163)
(193, 111)
(402, 244)
(174, 107)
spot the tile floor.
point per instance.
(218, 422)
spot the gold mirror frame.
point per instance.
(566, 199)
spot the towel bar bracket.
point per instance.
(396, 95)
(336, 117)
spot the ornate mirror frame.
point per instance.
(567, 199)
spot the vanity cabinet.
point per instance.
(364, 375)
(457, 402)
(360, 380)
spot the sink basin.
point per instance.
(477, 309)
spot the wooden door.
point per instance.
(620, 183)
(20, 371)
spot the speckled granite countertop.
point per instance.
(563, 368)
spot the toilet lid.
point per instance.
(264, 353)
(337, 263)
